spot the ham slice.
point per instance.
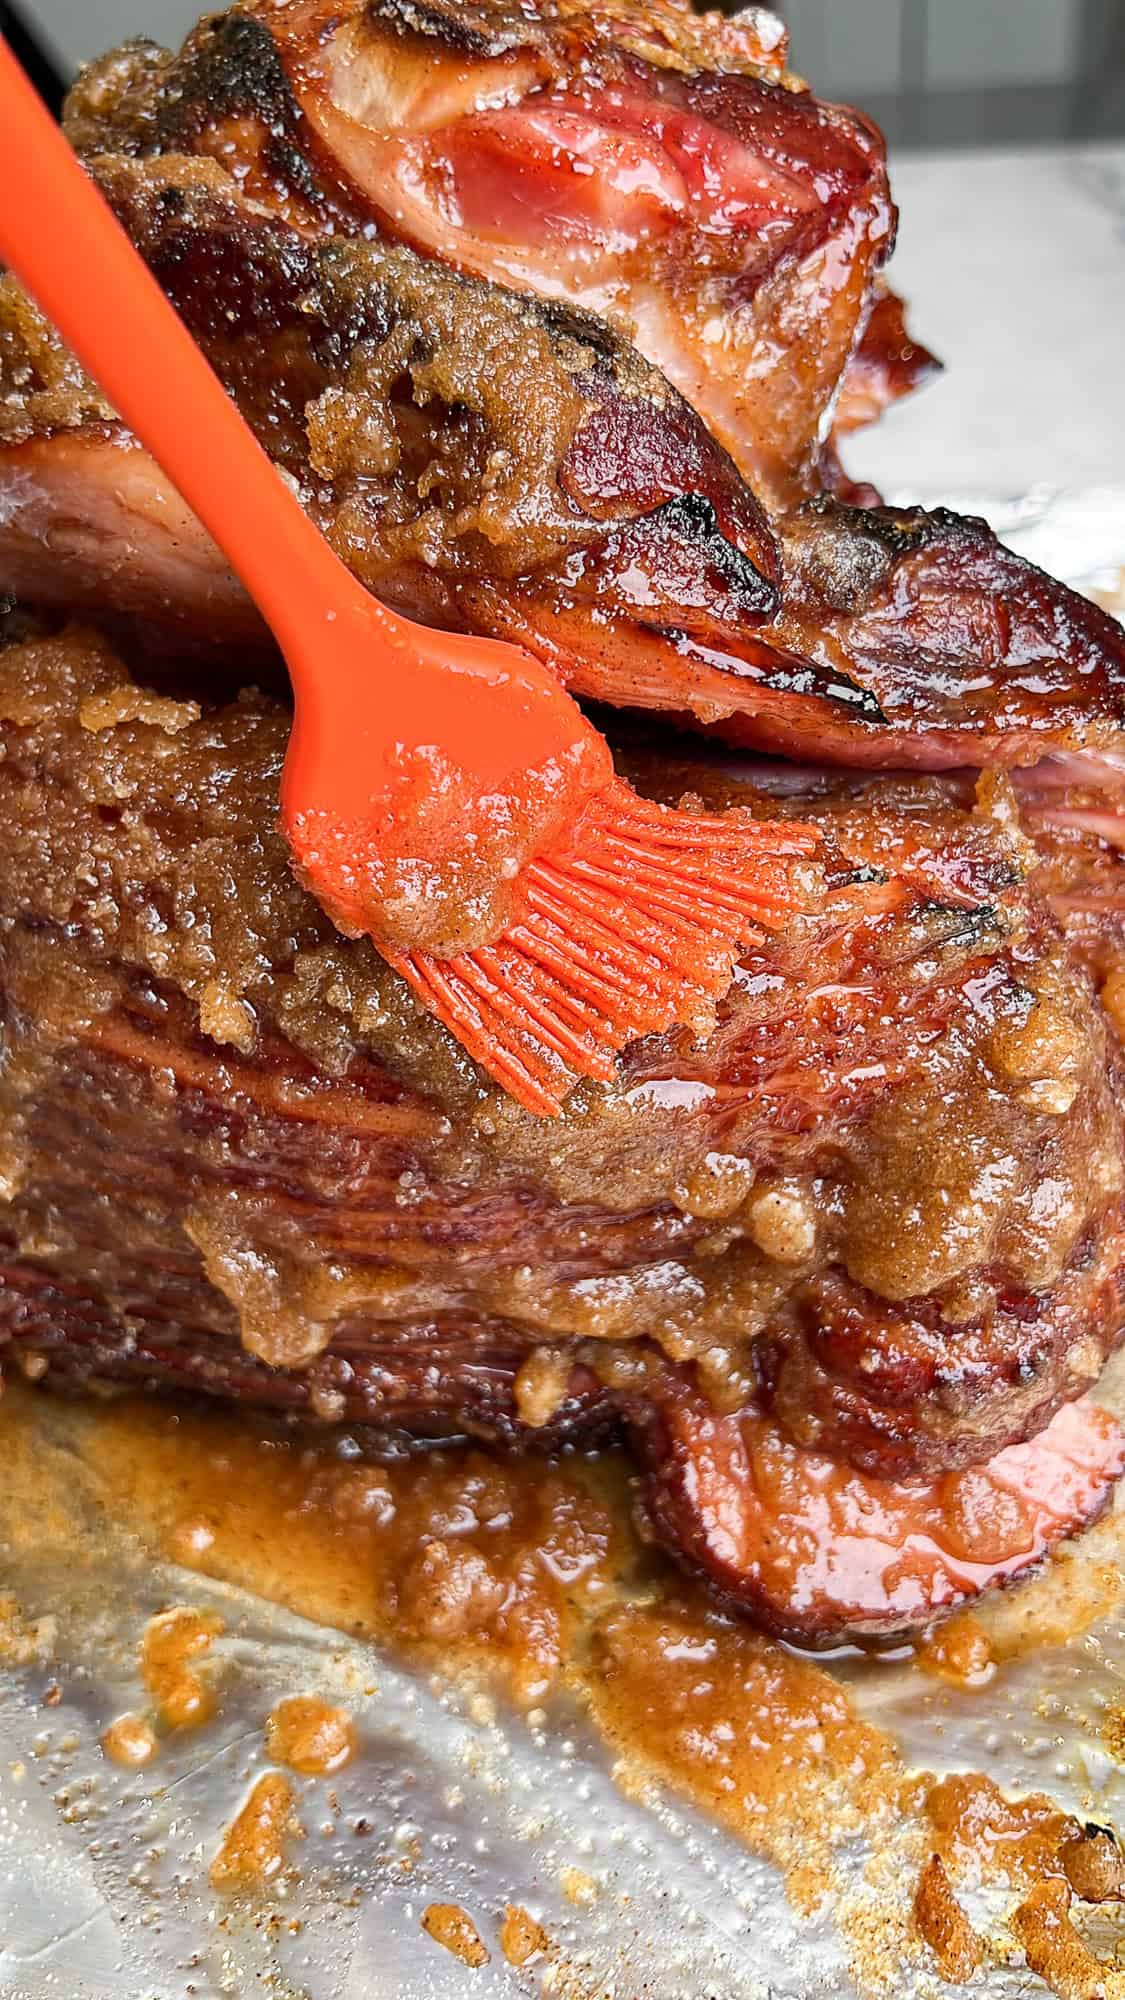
(615, 537)
(819, 1553)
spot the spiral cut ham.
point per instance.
(843, 1273)
(238, 1158)
(613, 537)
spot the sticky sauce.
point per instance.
(449, 1925)
(253, 1849)
(960, 1652)
(1055, 1951)
(980, 1833)
(1052, 1859)
(521, 1938)
(24, 1641)
(130, 1741)
(943, 1925)
(454, 1557)
(759, 1740)
(518, 1577)
(310, 1736)
(173, 1642)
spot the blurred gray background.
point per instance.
(932, 72)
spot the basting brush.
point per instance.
(442, 794)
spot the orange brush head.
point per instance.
(631, 925)
(447, 797)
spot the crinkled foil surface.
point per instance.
(104, 1890)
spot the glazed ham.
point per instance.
(614, 537)
(656, 167)
(809, 1546)
(238, 1159)
(842, 1274)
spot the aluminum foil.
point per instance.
(104, 1887)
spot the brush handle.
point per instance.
(66, 246)
(408, 742)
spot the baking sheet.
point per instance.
(103, 1872)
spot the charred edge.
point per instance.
(791, 674)
(563, 321)
(236, 72)
(345, 265)
(966, 930)
(904, 531)
(865, 876)
(795, 676)
(691, 517)
(283, 157)
(438, 24)
(900, 531)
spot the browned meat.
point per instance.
(840, 1271)
(234, 1149)
(818, 1553)
(613, 536)
(396, 394)
(888, 364)
(654, 166)
(1071, 808)
(79, 505)
(227, 95)
(1074, 810)
(975, 656)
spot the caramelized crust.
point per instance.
(841, 1270)
(235, 1149)
(613, 536)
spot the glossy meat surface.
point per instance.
(841, 1271)
(614, 537)
(234, 1149)
(658, 167)
(394, 394)
(818, 1553)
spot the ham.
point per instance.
(842, 1272)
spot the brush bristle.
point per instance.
(635, 925)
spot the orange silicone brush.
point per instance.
(441, 794)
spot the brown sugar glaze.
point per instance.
(747, 1177)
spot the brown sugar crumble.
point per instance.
(449, 1925)
(578, 1887)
